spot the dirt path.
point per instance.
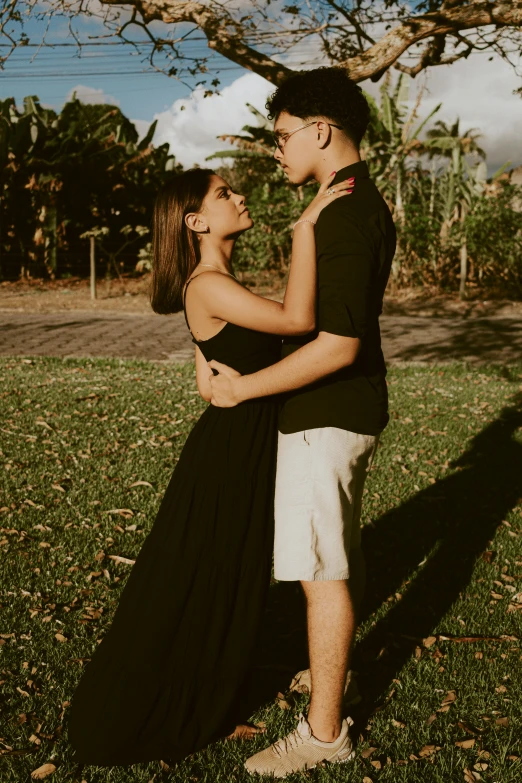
(406, 338)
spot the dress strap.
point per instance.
(184, 297)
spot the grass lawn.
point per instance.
(88, 447)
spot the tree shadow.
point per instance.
(449, 524)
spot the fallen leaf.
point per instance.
(282, 702)
(141, 484)
(376, 764)
(367, 752)
(501, 689)
(43, 771)
(496, 596)
(465, 743)
(60, 637)
(468, 776)
(502, 722)
(366, 779)
(302, 682)
(480, 766)
(58, 487)
(431, 719)
(429, 641)
(479, 655)
(398, 724)
(118, 559)
(123, 512)
(449, 698)
(428, 750)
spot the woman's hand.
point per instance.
(323, 198)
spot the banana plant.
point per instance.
(393, 138)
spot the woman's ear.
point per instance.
(195, 222)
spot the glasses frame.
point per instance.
(280, 141)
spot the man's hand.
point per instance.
(224, 386)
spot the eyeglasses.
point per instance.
(280, 140)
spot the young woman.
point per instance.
(163, 682)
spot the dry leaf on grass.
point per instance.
(502, 722)
(465, 743)
(118, 559)
(367, 752)
(60, 637)
(122, 512)
(376, 764)
(366, 779)
(140, 484)
(398, 724)
(429, 641)
(302, 682)
(448, 700)
(431, 719)
(469, 777)
(43, 771)
(428, 750)
(282, 702)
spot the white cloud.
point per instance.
(191, 132)
(480, 92)
(91, 95)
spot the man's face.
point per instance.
(299, 153)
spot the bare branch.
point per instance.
(386, 52)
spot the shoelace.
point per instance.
(288, 743)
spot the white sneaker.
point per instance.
(300, 750)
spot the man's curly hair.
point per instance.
(323, 92)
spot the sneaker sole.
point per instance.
(335, 761)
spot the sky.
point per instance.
(477, 90)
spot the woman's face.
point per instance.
(224, 211)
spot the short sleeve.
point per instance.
(345, 273)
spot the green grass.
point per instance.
(446, 487)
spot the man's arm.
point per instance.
(346, 280)
(317, 359)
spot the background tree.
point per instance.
(63, 175)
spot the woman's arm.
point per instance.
(225, 299)
(202, 376)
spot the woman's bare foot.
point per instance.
(246, 731)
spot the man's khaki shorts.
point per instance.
(318, 495)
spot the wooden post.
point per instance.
(93, 267)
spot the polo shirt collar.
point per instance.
(358, 170)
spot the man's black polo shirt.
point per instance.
(355, 239)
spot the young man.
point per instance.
(335, 405)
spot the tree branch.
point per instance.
(225, 35)
(386, 52)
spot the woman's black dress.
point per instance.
(163, 682)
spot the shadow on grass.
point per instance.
(449, 524)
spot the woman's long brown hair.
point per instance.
(175, 248)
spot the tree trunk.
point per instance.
(463, 267)
(93, 266)
(50, 245)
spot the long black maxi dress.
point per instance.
(164, 679)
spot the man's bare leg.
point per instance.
(332, 610)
